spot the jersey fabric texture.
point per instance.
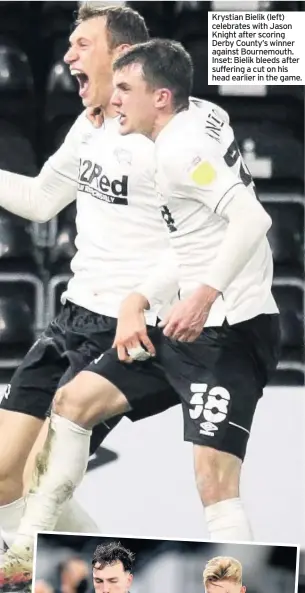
(121, 237)
(198, 167)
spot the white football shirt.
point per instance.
(121, 238)
(198, 166)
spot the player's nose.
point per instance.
(70, 56)
(116, 101)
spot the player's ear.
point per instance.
(243, 589)
(120, 50)
(130, 579)
(163, 98)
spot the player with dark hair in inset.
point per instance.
(112, 566)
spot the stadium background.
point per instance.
(38, 104)
(174, 567)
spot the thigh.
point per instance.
(34, 383)
(219, 385)
(89, 336)
(151, 403)
(98, 335)
(144, 384)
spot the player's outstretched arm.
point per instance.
(42, 197)
(36, 198)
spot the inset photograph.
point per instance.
(84, 564)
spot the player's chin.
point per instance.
(125, 128)
(87, 101)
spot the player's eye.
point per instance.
(83, 43)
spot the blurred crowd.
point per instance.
(73, 576)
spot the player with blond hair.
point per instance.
(223, 573)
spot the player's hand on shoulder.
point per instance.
(131, 333)
(95, 116)
(187, 318)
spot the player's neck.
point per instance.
(161, 121)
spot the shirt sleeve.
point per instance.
(199, 174)
(66, 159)
(42, 197)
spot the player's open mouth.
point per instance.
(83, 81)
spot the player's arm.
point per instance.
(248, 224)
(212, 182)
(42, 197)
(208, 179)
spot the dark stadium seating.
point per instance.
(157, 19)
(64, 249)
(56, 287)
(56, 132)
(18, 252)
(60, 80)
(38, 105)
(275, 143)
(14, 66)
(57, 18)
(63, 232)
(21, 317)
(16, 327)
(199, 53)
(286, 235)
(190, 21)
(62, 100)
(16, 152)
(17, 98)
(9, 23)
(289, 294)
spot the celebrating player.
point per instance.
(218, 230)
(114, 188)
(223, 575)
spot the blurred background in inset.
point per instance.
(64, 564)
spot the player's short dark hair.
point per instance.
(106, 554)
(165, 63)
(123, 24)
